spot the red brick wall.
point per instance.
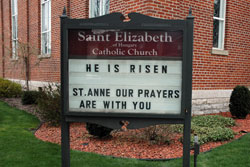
(237, 67)
(10, 66)
(34, 38)
(78, 8)
(167, 9)
(44, 69)
(210, 71)
(41, 69)
(217, 71)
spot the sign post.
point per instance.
(139, 71)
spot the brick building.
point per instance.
(31, 29)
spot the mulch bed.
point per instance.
(129, 143)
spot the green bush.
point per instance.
(208, 134)
(98, 130)
(49, 104)
(210, 128)
(240, 102)
(9, 89)
(49, 107)
(29, 97)
(212, 121)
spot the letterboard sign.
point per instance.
(140, 68)
(138, 71)
(125, 71)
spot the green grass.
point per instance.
(234, 154)
(19, 148)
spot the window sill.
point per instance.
(220, 52)
(14, 59)
(44, 56)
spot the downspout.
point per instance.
(28, 47)
(2, 40)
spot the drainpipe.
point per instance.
(2, 40)
(28, 47)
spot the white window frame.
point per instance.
(102, 8)
(14, 33)
(46, 50)
(222, 23)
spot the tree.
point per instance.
(21, 54)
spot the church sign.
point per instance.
(139, 71)
(115, 71)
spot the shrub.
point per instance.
(212, 121)
(29, 97)
(240, 102)
(208, 134)
(49, 104)
(158, 134)
(9, 89)
(209, 128)
(98, 130)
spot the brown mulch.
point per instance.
(129, 143)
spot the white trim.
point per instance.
(90, 9)
(217, 51)
(33, 85)
(43, 2)
(44, 56)
(207, 94)
(14, 41)
(224, 24)
(222, 28)
(218, 18)
(225, 9)
(101, 8)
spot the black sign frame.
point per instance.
(112, 120)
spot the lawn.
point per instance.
(19, 148)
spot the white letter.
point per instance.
(81, 36)
(107, 37)
(148, 38)
(156, 38)
(95, 51)
(118, 36)
(168, 38)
